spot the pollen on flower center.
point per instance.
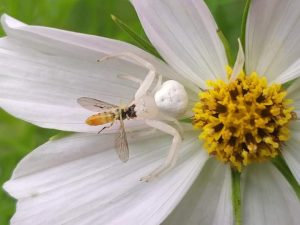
(244, 120)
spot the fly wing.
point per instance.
(121, 143)
(94, 104)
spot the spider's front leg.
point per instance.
(146, 84)
(173, 152)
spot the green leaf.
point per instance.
(236, 195)
(141, 42)
(60, 135)
(244, 23)
(227, 47)
(281, 165)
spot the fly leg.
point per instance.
(106, 127)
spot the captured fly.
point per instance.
(109, 114)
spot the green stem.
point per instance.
(236, 195)
(244, 23)
(281, 165)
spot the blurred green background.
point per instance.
(17, 138)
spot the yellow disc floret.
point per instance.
(244, 120)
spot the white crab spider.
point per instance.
(164, 103)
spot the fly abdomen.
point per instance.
(101, 118)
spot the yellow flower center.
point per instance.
(243, 121)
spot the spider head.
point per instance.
(146, 107)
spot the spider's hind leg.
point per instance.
(172, 155)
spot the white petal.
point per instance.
(44, 71)
(291, 150)
(291, 73)
(80, 180)
(293, 93)
(208, 202)
(185, 34)
(239, 63)
(272, 39)
(268, 198)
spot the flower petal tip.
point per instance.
(6, 187)
(10, 22)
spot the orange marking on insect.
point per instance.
(100, 119)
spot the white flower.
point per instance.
(79, 180)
